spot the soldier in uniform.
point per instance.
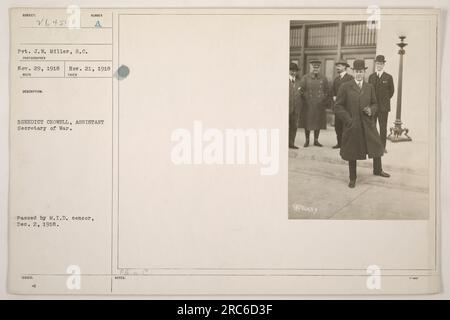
(294, 103)
(356, 106)
(316, 97)
(343, 76)
(384, 90)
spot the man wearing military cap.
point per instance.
(316, 97)
(294, 103)
(356, 106)
(343, 76)
(384, 90)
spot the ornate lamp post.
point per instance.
(396, 132)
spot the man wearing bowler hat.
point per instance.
(343, 76)
(356, 106)
(294, 103)
(316, 97)
(384, 90)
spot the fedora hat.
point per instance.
(380, 58)
(342, 62)
(359, 65)
(293, 67)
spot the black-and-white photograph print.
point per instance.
(358, 131)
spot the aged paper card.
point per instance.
(161, 151)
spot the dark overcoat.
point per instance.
(338, 81)
(295, 98)
(360, 137)
(316, 98)
(384, 90)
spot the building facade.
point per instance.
(330, 42)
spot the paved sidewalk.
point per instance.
(318, 179)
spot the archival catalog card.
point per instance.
(224, 151)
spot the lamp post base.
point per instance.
(398, 133)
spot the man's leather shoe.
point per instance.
(352, 183)
(337, 146)
(317, 144)
(293, 147)
(382, 174)
(306, 144)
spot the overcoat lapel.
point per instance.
(356, 87)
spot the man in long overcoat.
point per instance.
(316, 98)
(342, 77)
(294, 103)
(356, 105)
(384, 90)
